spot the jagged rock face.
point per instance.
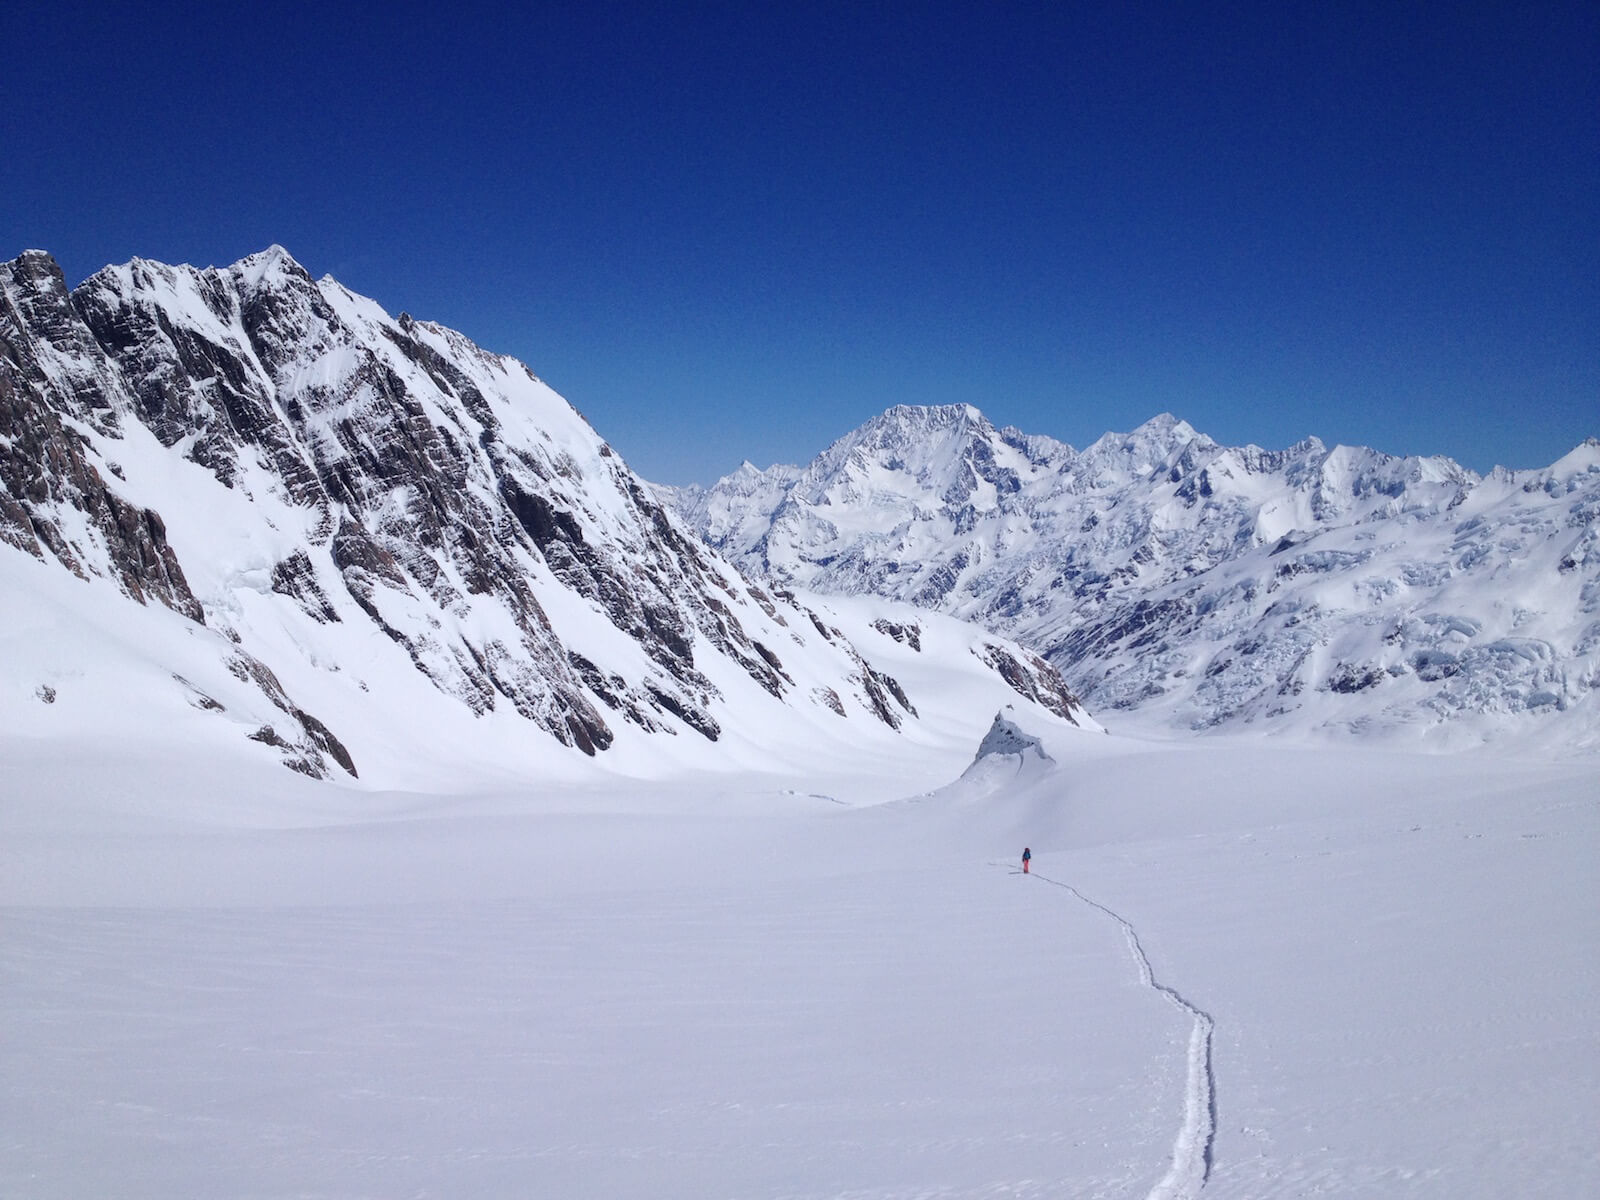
(358, 469)
(1212, 586)
(45, 469)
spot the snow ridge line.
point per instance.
(1193, 1150)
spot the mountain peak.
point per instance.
(272, 263)
(1169, 430)
(930, 416)
(909, 432)
(1580, 460)
(35, 265)
(1313, 588)
(1165, 422)
(394, 500)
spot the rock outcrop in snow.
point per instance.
(265, 453)
(50, 489)
(1005, 737)
(1214, 587)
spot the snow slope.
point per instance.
(366, 546)
(81, 667)
(1238, 972)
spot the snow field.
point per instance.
(892, 1034)
(672, 991)
(1403, 986)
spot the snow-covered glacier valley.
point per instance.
(397, 797)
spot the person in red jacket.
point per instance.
(1027, 857)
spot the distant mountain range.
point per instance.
(366, 531)
(1309, 590)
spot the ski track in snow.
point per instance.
(1192, 1151)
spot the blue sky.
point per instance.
(727, 233)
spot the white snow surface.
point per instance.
(1237, 971)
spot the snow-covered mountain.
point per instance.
(362, 540)
(770, 938)
(1212, 587)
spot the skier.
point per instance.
(1027, 857)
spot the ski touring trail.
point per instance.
(1192, 1149)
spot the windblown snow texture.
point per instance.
(271, 456)
(1214, 588)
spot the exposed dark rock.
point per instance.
(45, 465)
(772, 660)
(315, 738)
(615, 692)
(910, 633)
(296, 577)
(767, 606)
(1036, 679)
(878, 697)
(816, 622)
(696, 719)
(829, 699)
(1347, 678)
(323, 739)
(891, 685)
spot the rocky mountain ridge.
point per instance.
(1211, 587)
(279, 461)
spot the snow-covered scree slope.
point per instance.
(696, 988)
(1212, 587)
(379, 546)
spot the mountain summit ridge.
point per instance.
(1311, 589)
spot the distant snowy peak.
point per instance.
(936, 449)
(743, 496)
(1572, 471)
(1212, 586)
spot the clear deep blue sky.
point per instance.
(730, 231)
